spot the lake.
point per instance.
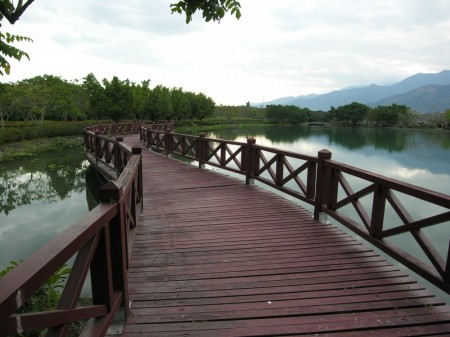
(419, 157)
(42, 195)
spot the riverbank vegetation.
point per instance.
(49, 106)
(46, 298)
(44, 98)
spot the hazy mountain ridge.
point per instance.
(425, 93)
(426, 99)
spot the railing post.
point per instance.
(168, 143)
(141, 135)
(147, 137)
(110, 270)
(97, 146)
(86, 138)
(138, 151)
(378, 209)
(201, 150)
(250, 161)
(311, 180)
(279, 170)
(183, 145)
(118, 164)
(223, 153)
(323, 179)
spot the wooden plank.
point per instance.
(213, 256)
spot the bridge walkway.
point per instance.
(215, 257)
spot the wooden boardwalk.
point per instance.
(215, 257)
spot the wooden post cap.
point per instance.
(110, 192)
(324, 154)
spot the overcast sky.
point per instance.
(278, 48)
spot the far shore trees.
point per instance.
(287, 113)
(354, 113)
(50, 97)
(447, 117)
(391, 115)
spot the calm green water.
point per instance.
(39, 197)
(419, 157)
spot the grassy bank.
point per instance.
(19, 131)
(19, 139)
(31, 147)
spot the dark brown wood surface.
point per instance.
(215, 257)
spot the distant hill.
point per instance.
(424, 93)
(286, 100)
(426, 99)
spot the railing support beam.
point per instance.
(323, 181)
(250, 159)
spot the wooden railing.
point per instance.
(370, 196)
(335, 189)
(100, 243)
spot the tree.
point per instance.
(96, 95)
(12, 13)
(180, 103)
(391, 115)
(159, 105)
(383, 116)
(353, 113)
(118, 98)
(47, 96)
(447, 117)
(211, 9)
(141, 94)
(205, 106)
(5, 102)
(287, 113)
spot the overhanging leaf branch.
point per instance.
(13, 13)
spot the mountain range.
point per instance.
(424, 93)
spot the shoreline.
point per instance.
(29, 148)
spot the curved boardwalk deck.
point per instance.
(215, 257)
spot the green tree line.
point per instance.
(287, 113)
(52, 98)
(354, 113)
(357, 113)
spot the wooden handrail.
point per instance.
(381, 192)
(101, 242)
(319, 181)
(328, 186)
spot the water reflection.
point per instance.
(409, 155)
(39, 197)
(49, 176)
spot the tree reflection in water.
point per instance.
(49, 176)
(40, 196)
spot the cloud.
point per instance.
(277, 48)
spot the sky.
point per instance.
(277, 49)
